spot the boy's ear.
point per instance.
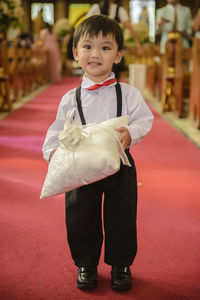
(119, 56)
(75, 53)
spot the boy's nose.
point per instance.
(95, 53)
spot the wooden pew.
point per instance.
(155, 86)
(5, 103)
(19, 70)
(39, 65)
(22, 69)
(12, 69)
(194, 108)
(29, 68)
(175, 75)
(150, 68)
(171, 74)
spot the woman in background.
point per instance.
(49, 39)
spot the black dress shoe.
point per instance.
(121, 278)
(87, 278)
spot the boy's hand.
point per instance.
(52, 153)
(162, 21)
(124, 137)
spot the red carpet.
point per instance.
(34, 257)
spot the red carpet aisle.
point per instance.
(35, 261)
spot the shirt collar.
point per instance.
(174, 6)
(86, 82)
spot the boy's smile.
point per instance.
(96, 56)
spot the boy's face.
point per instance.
(96, 56)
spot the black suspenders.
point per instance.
(119, 99)
(78, 100)
(119, 102)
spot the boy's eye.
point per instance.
(105, 48)
(87, 47)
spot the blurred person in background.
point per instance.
(174, 17)
(50, 43)
(196, 23)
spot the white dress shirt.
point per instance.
(122, 13)
(101, 105)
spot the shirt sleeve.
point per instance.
(167, 13)
(158, 15)
(141, 117)
(51, 140)
(189, 21)
(123, 15)
(94, 10)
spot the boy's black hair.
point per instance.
(94, 25)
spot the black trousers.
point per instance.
(84, 219)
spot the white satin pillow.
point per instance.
(85, 154)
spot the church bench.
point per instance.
(194, 107)
(175, 76)
(5, 103)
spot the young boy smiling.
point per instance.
(98, 44)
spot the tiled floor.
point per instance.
(184, 125)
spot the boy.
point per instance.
(98, 43)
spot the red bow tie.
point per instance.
(105, 83)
